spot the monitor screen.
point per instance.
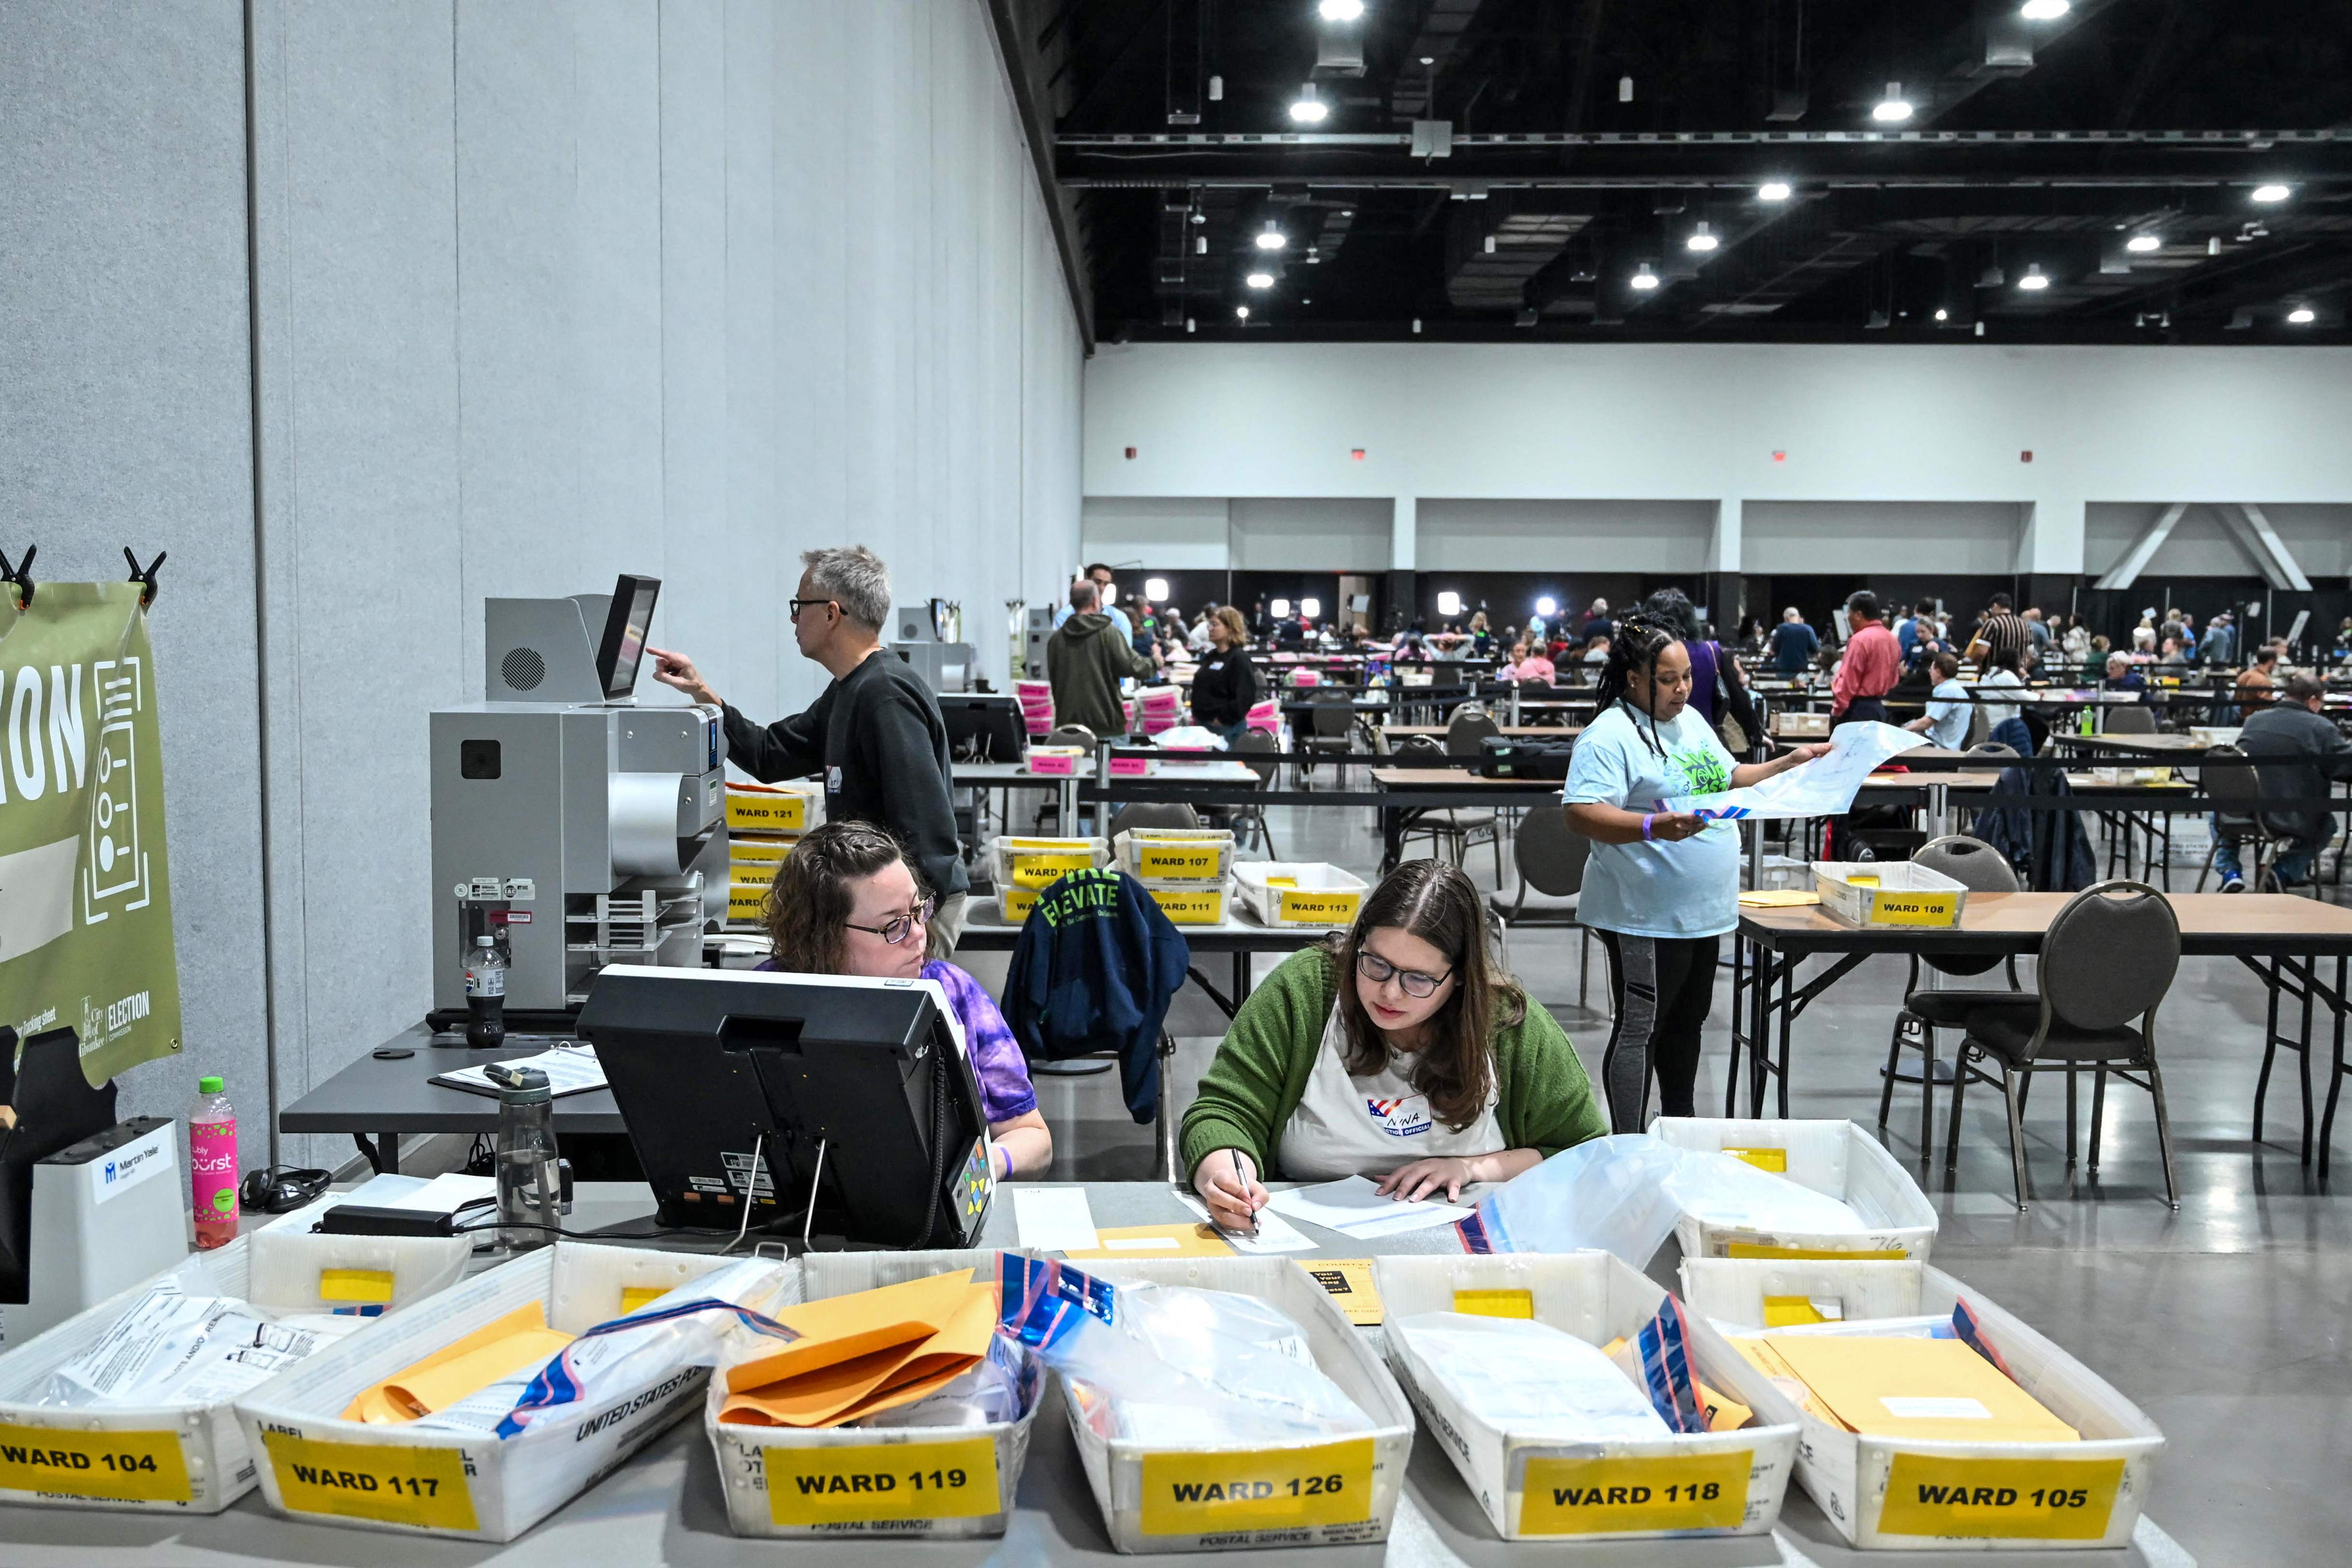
(625, 629)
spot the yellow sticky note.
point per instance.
(1773, 1160)
(635, 1296)
(1349, 1282)
(865, 1483)
(1220, 1491)
(360, 1285)
(392, 1485)
(1282, 882)
(118, 1466)
(1786, 1311)
(1495, 1304)
(1862, 879)
(1866, 1254)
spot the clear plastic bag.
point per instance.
(1529, 1378)
(1724, 1189)
(179, 1343)
(1000, 1388)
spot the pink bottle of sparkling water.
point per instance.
(211, 1164)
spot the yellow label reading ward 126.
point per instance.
(424, 1487)
(874, 1481)
(1274, 1489)
(119, 1466)
(1598, 1497)
(2023, 1500)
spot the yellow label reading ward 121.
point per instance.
(2022, 1499)
(874, 1481)
(1274, 1489)
(119, 1466)
(1598, 1497)
(424, 1487)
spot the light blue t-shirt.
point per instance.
(1118, 618)
(1948, 715)
(1656, 888)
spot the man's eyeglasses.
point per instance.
(898, 927)
(792, 607)
(1379, 971)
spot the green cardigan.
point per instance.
(1260, 1074)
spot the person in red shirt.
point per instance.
(1872, 662)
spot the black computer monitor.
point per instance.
(984, 728)
(626, 626)
(744, 1085)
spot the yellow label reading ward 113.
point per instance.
(1274, 1489)
(424, 1487)
(873, 1481)
(119, 1466)
(2022, 1499)
(1598, 1497)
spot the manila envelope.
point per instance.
(847, 1328)
(1928, 1388)
(461, 1367)
(879, 1381)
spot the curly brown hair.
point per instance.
(809, 904)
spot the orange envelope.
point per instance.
(883, 1380)
(847, 1328)
(463, 1367)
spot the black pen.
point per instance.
(1235, 1159)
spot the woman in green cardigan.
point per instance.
(1395, 1052)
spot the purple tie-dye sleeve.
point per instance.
(1005, 1091)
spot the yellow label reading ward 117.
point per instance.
(118, 1467)
(2021, 1499)
(1600, 1497)
(868, 1483)
(423, 1487)
(1274, 1489)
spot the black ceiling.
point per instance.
(1585, 139)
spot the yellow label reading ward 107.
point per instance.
(1274, 1488)
(1598, 1497)
(118, 1467)
(868, 1483)
(424, 1487)
(2022, 1499)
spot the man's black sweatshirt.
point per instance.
(877, 736)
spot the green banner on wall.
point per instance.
(85, 894)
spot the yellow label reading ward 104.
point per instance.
(2022, 1499)
(118, 1466)
(1274, 1488)
(392, 1485)
(1597, 1497)
(868, 1483)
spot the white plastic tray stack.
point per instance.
(1835, 1158)
(1909, 1494)
(926, 1483)
(1187, 871)
(190, 1458)
(1310, 893)
(1604, 1489)
(317, 1466)
(1024, 866)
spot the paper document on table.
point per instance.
(570, 1069)
(1055, 1218)
(1824, 787)
(1354, 1206)
(444, 1194)
(1275, 1234)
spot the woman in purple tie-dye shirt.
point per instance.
(847, 900)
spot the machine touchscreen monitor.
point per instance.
(626, 626)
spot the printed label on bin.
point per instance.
(1205, 907)
(1854, 1255)
(2021, 1499)
(1180, 859)
(1495, 1304)
(769, 853)
(362, 1285)
(870, 1483)
(1774, 1160)
(1337, 907)
(118, 1467)
(1044, 871)
(1018, 902)
(771, 813)
(1128, 767)
(1914, 908)
(1596, 1497)
(422, 1487)
(1272, 1488)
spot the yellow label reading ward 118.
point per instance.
(1600, 1497)
(118, 1467)
(1274, 1489)
(424, 1487)
(2021, 1499)
(868, 1483)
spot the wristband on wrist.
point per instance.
(1647, 818)
(1006, 1174)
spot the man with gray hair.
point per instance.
(875, 732)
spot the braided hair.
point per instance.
(1641, 638)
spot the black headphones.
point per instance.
(281, 1189)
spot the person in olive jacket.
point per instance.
(1085, 661)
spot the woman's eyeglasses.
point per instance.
(898, 927)
(1379, 971)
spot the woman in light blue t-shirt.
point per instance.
(1662, 886)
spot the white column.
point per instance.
(2051, 537)
(1723, 548)
(1403, 531)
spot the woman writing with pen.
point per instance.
(1393, 1050)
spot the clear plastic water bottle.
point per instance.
(530, 1180)
(486, 994)
(212, 1164)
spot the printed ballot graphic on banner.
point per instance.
(85, 904)
(1825, 787)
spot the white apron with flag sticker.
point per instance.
(1368, 1126)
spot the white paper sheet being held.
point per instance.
(1275, 1234)
(1825, 787)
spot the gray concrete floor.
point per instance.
(2226, 1321)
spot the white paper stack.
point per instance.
(1354, 1206)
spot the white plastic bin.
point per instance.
(1299, 893)
(1175, 854)
(1835, 1158)
(1904, 1494)
(190, 1458)
(1037, 863)
(1891, 893)
(1690, 1484)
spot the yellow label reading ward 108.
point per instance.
(1916, 909)
(118, 1467)
(2022, 1499)
(1598, 1497)
(1274, 1489)
(424, 1487)
(871, 1482)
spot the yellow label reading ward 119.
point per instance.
(424, 1487)
(867, 1482)
(2021, 1499)
(1601, 1497)
(1274, 1489)
(118, 1467)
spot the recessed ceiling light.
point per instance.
(2033, 279)
(1546, 606)
(2044, 10)
(1340, 10)
(1271, 238)
(1260, 280)
(1700, 239)
(2303, 315)
(1241, 311)
(2144, 243)
(2272, 192)
(1309, 110)
(1943, 315)
(1645, 278)
(1772, 191)
(1894, 108)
